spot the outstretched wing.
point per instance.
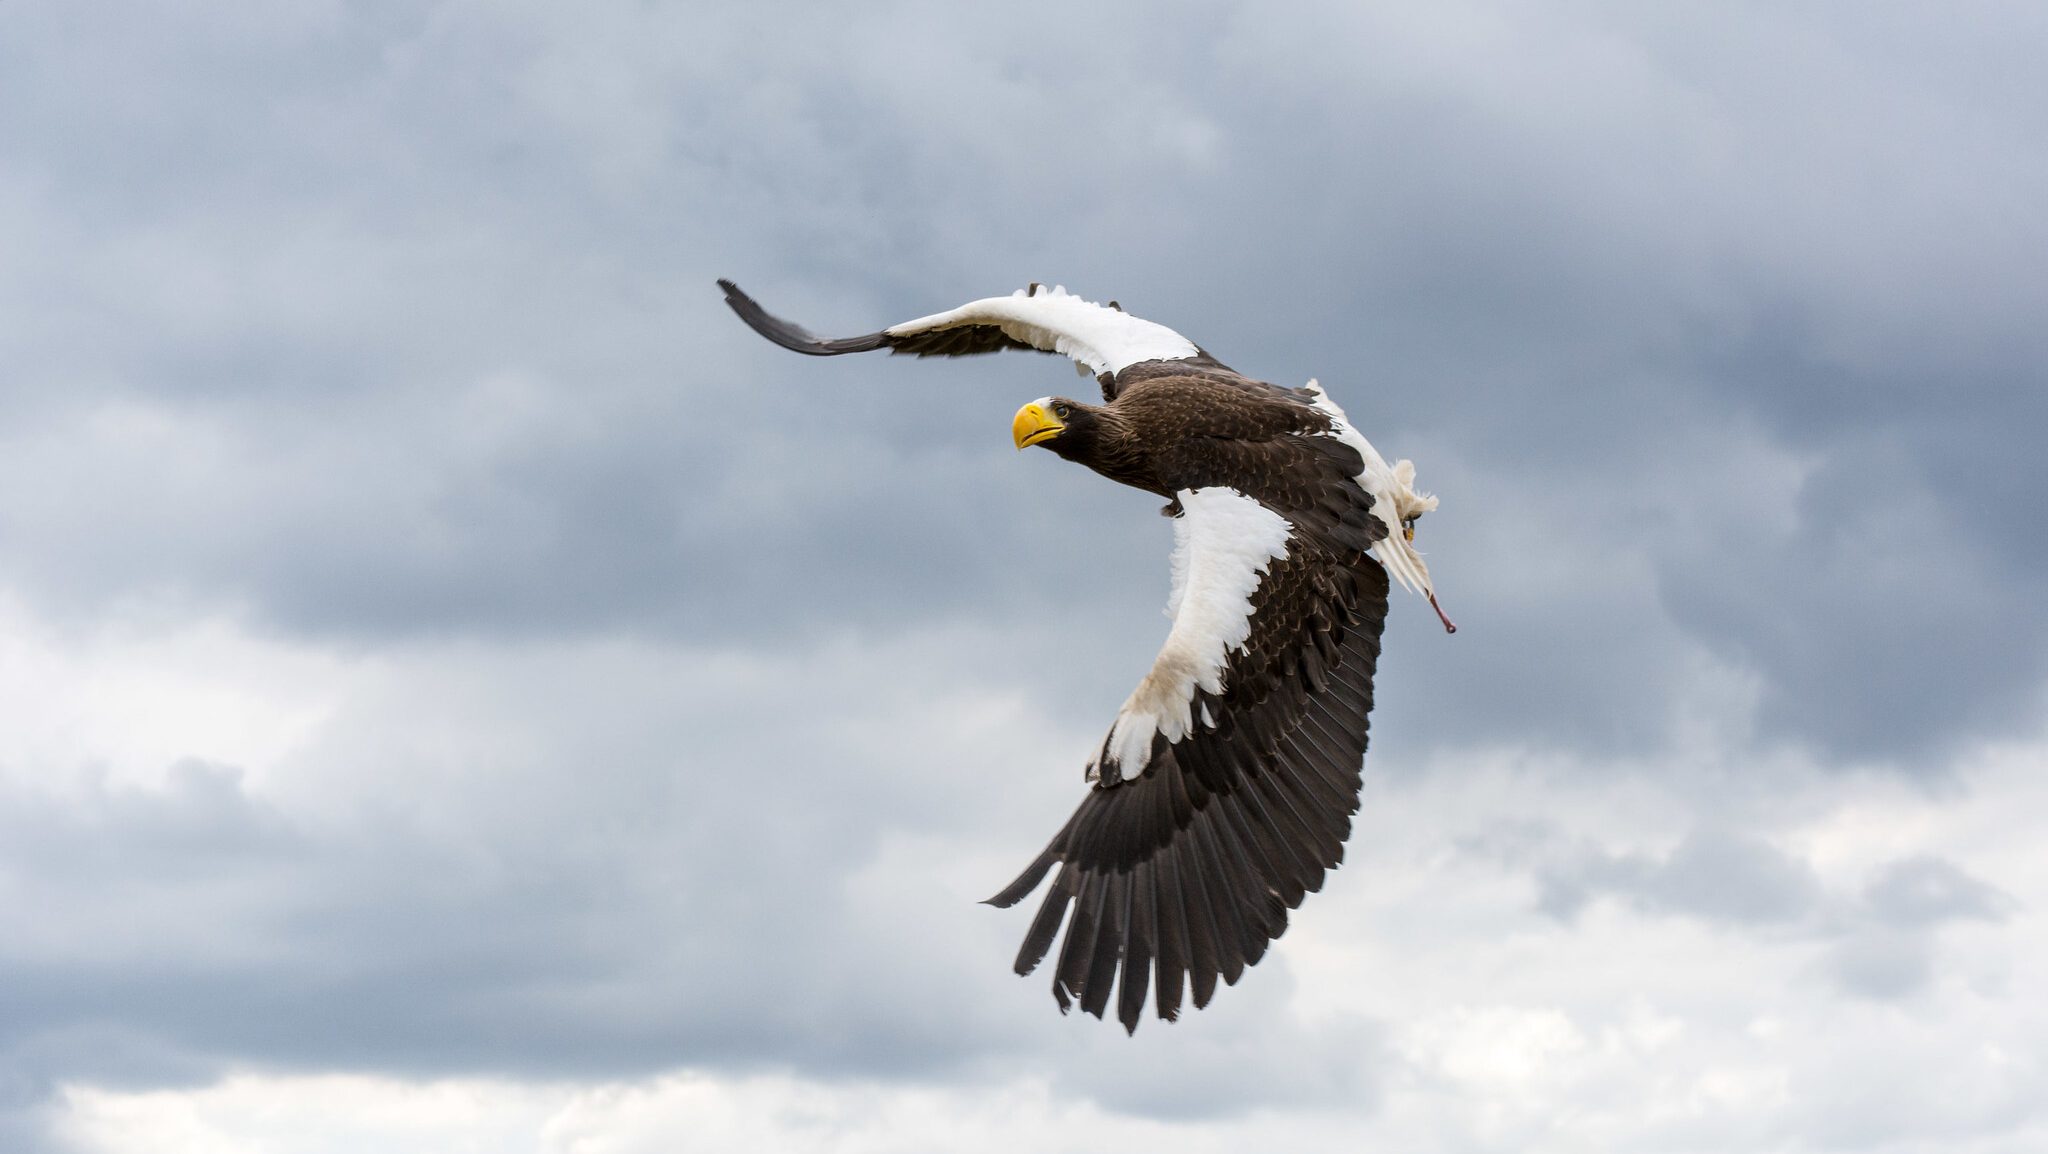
(1102, 339)
(1226, 787)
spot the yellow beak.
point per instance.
(1034, 425)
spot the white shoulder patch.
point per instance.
(1103, 339)
(1394, 499)
(1224, 544)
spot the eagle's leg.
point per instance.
(1171, 508)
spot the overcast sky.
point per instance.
(462, 691)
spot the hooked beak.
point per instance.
(1034, 425)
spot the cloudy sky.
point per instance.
(461, 691)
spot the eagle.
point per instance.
(1224, 788)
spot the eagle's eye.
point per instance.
(1062, 411)
(1408, 528)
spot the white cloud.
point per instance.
(124, 699)
(1478, 1020)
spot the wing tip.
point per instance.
(790, 336)
(1025, 882)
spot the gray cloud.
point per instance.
(1884, 965)
(1717, 875)
(1881, 942)
(1926, 891)
(1890, 941)
(564, 432)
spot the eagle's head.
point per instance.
(1067, 427)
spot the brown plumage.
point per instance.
(1169, 432)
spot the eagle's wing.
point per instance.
(1226, 787)
(1102, 339)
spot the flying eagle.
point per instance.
(1225, 787)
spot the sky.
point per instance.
(463, 692)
